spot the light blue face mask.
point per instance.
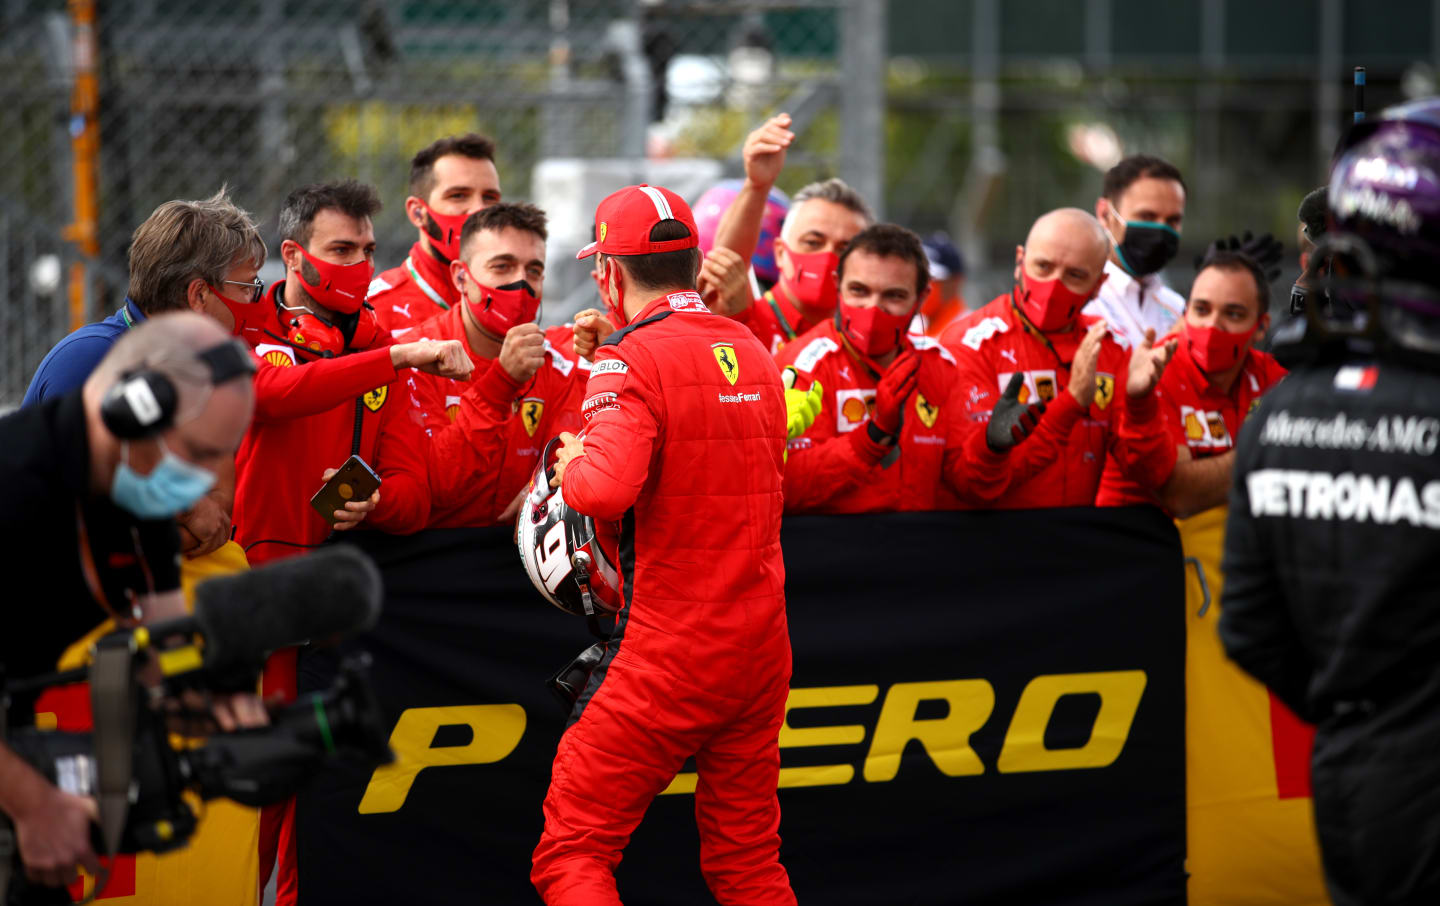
(171, 488)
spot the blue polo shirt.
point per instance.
(66, 367)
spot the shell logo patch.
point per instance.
(1193, 429)
(851, 408)
(927, 410)
(725, 358)
(376, 398)
(452, 407)
(531, 410)
(1104, 389)
(279, 359)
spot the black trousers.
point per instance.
(1376, 778)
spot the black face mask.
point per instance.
(1147, 247)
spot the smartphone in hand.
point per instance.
(355, 480)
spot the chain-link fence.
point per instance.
(266, 95)
(967, 115)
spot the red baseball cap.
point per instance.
(624, 220)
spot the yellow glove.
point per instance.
(801, 406)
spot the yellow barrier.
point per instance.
(1251, 831)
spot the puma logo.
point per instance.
(1009, 354)
(402, 309)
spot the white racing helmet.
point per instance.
(562, 551)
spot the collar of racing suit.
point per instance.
(432, 276)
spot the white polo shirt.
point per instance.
(1129, 305)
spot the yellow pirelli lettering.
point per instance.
(946, 739)
(801, 737)
(844, 734)
(495, 732)
(1120, 692)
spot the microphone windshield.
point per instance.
(244, 617)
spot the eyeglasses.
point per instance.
(257, 289)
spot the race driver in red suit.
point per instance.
(683, 447)
(1033, 347)
(450, 179)
(1214, 382)
(328, 248)
(486, 433)
(879, 443)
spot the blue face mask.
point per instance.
(170, 489)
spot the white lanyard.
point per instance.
(425, 288)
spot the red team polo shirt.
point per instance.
(1195, 415)
(1061, 462)
(826, 472)
(773, 321)
(483, 449)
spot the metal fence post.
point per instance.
(862, 99)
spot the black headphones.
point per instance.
(142, 403)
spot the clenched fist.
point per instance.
(764, 150)
(523, 351)
(724, 282)
(446, 358)
(591, 329)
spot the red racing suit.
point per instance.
(835, 467)
(684, 443)
(416, 291)
(1195, 415)
(486, 434)
(1060, 463)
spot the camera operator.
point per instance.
(1330, 547)
(102, 471)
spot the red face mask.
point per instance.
(448, 245)
(872, 331)
(1049, 304)
(342, 287)
(1213, 350)
(502, 307)
(613, 309)
(814, 285)
(247, 315)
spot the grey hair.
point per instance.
(835, 191)
(183, 241)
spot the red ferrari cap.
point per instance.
(624, 220)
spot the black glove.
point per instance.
(1011, 421)
(1265, 250)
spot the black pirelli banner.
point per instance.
(986, 708)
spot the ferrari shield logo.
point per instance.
(604, 228)
(530, 412)
(725, 357)
(376, 398)
(1104, 389)
(927, 410)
